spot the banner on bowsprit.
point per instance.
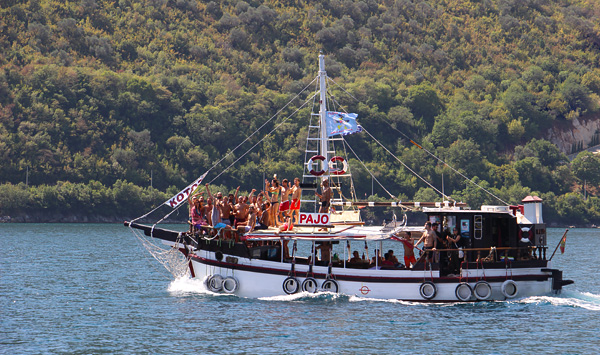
(183, 195)
(320, 219)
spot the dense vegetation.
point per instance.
(98, 97)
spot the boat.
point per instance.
(503, 254)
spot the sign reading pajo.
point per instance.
(320, 219)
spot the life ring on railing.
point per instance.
(290, 285)
(482, 290)
(334, 170)
(310, 285)
(214, 283)
(230, 284)
(509, 289)
(309, 165)
(463, 292)
(428, 290)
(330, 286)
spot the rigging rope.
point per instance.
(369, 171)
(406, 166)
(234, 149)
(427, 151)
(448, 165)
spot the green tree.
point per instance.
(586, 166)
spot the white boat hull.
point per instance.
(260, 278)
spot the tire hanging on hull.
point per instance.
(463, 292)
(310, 285)
(482, 290)
(230, 284)
(428, 290)
(509, 289)
(330, 286)
(290, 285)
(214, 283)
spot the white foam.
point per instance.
(187, 284)
(566, 301)
(304, 296)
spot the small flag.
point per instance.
(562, 244)
(341, 123)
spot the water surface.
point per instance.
(93, 289)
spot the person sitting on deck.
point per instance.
(393, 257)
(377, 259)
(356, 258)
(197, 217)
(387, 262)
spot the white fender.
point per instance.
(510, 289)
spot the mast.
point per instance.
(323, 147)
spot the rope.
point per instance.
(239, 145)
(260, 141)
(448, 165)
(406, 166)
(369, 171)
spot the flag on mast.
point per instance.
(341, 123)
(562, 244)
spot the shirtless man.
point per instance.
(227, 210)
(430, 241)
(295, 206)
(325, 197)
(241, 210)
(284, 206)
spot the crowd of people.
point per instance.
(275, 206)
(278, 206)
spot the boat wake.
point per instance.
(585, 300)
(186, 285)
(308, 297)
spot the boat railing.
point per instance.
(496, 253)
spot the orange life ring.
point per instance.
(333, 170)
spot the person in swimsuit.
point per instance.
(295, 205)
(284, 207)
(430, 241)
(275, 190)
(325, 197)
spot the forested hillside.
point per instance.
(99, 99)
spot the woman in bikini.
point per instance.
(275, 190)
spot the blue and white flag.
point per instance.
(341, 123)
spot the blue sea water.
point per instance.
(92, 289)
